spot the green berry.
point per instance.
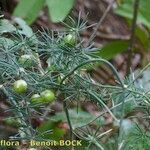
(47, 96)
(70, 39)
(27, 61)
(36, 99)
(20, 86)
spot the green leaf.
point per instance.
(6, 26)
(78, 119)
(59, 9)
(126, 10)
(143, 37)
(49, 130)
(29, 9)
(25, 29)
(112, 49)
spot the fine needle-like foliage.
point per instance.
(57, 65)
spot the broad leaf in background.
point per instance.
(49, 130)
(59, 9)
(6, 26)
(126, 10)
(18, 26)
(25, 29)
(78, 119)
(143, 37)
(111, 49)
(29, 9)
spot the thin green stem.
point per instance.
(100, 101)
(106, 111)
(91, 61)
(132, 38)
(68, 118)
(99, 85)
